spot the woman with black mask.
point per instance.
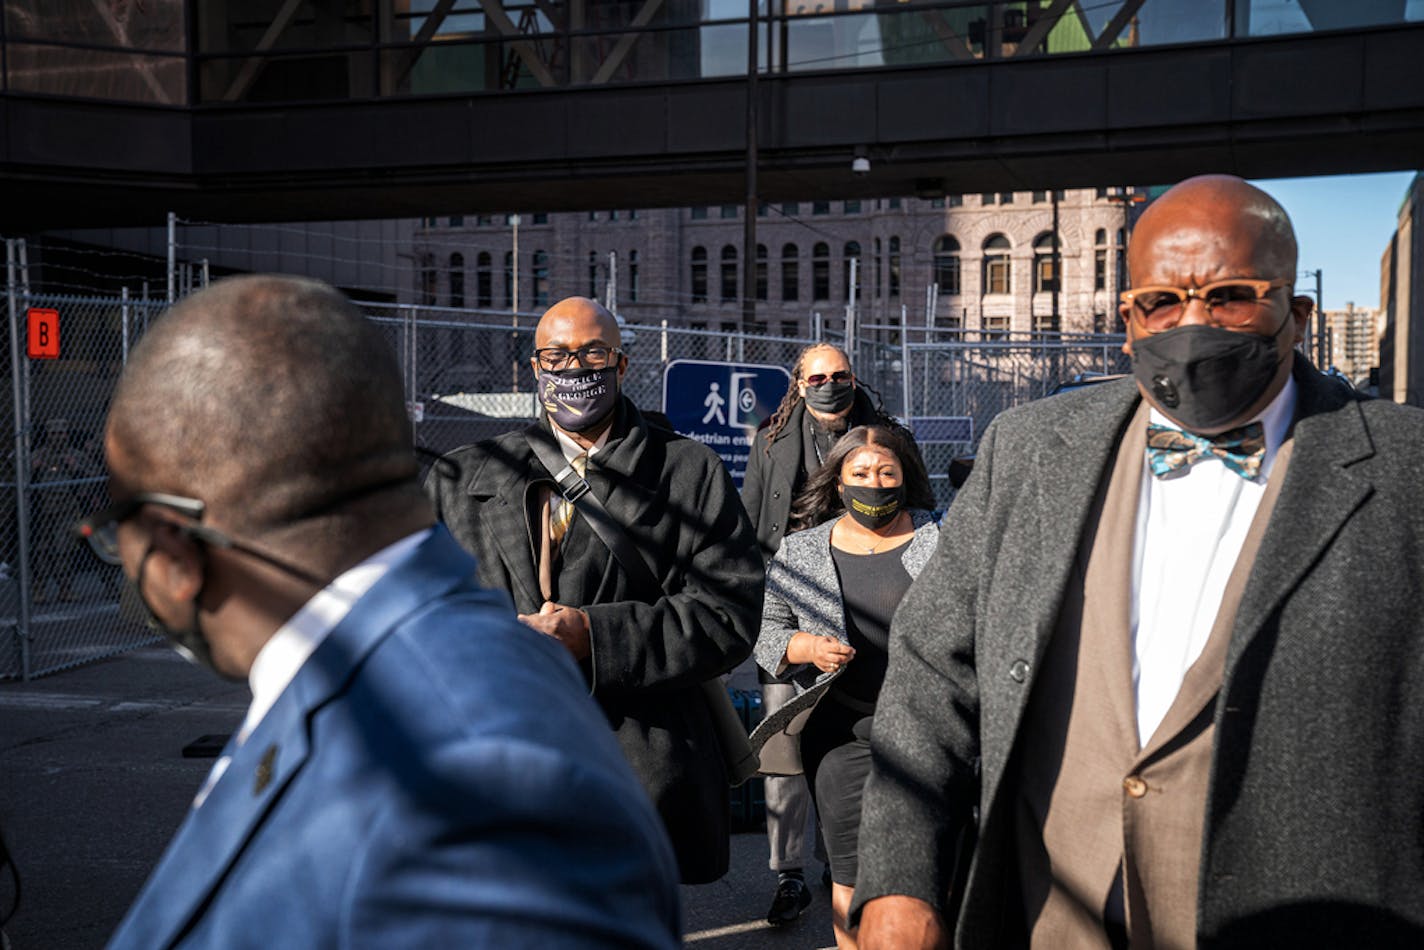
(830, 593)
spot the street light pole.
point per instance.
(749, 245)
(1316, 338)
(1322, 331)
(514, 307)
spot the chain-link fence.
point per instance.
(59, 606)
(467, 377)
(952, 384)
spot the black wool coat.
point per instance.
(651, 647)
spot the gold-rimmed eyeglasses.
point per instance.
(1233, 303)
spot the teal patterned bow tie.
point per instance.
(1172, 450)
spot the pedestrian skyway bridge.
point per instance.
(318, 109)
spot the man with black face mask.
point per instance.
(643, 649)
(1144, 694)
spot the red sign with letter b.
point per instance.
(44, 333)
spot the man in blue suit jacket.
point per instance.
(417, 768)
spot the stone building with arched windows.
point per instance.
(992, 260)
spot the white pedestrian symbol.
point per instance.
(714, 403)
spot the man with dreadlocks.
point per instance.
(823, 401)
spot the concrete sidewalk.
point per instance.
(93, 784)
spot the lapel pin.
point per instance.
(264, 770)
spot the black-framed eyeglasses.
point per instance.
(593, 356)
(820, 379)
(101, 529)
(1233, 303)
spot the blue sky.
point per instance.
(1343, 224)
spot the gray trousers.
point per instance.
(790, 813)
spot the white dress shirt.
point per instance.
(1190, 528)
(282, 656)
(573, 450)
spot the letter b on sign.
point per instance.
(44, 333)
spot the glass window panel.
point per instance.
(96, 74)
(155, 25)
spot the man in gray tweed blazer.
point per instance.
(1162, 683)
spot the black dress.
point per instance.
(835, 746)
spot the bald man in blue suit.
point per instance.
(417, 769)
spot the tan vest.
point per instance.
(1092, 804)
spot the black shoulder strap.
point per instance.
(576, 491)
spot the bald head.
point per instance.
(575, 322)
(1210, 222)
(269, 398)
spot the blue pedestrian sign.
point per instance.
(721, 404)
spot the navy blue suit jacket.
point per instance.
(435, 775)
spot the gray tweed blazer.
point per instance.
(803, 593)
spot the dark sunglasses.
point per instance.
(820, 379)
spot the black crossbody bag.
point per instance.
(737, 754)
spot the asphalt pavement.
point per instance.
(93, 783)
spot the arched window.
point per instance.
(946, 265)
(894, 267)
(541, 279)
(761, 272)
(428, 279)
(457, 280)
(632, 274)
(1100, 259)
(593, 274)
(729, 274)
(790, 273)
(699, 275)
(852, 253)
(998, 271)
(1045, 265)
(484, 280)
(1121, 248)
(879, 264)
(821, 271)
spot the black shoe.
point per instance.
(792, 897)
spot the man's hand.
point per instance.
(827, 653)
(568, 625)
(897, 922)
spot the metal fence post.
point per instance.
(905, 370)
(124, 317)
(19, 386)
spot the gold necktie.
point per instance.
(562, 512)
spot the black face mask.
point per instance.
(190, 643)
(1203, 377)
(873, 507)
(831, 397)
(578, 399)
